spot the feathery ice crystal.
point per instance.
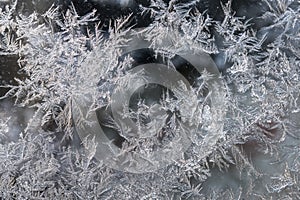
(172, 126)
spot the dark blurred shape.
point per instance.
(9, 69)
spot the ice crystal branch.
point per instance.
(60, 51)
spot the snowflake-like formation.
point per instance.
(192, 105)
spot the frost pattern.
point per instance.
(260, 130)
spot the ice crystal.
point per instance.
(76, 71)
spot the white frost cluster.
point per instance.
(248, 120)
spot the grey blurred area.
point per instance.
(9, 69)
(116, 2)
(18, 117)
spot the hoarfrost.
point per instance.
(242, 124)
